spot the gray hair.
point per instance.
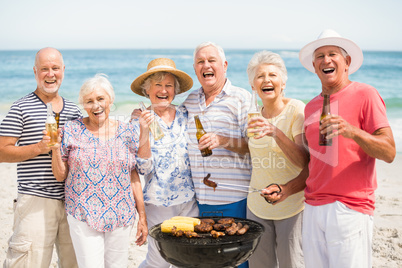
(158, 77)
(47, 48)
(266, 57)
(98, 81)
(206, 44)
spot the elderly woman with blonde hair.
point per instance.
(96, 158)
(278, 156)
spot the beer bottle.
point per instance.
(154, 126)
(201, 132)
(51, 125)
(325, 112)
(253, 112)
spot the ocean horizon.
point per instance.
(380, 69)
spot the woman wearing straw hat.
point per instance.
(164, 162)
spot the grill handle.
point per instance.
(218, 213)
(241, 248)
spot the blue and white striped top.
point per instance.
(227, 116)
(26, 121)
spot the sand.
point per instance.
(387, 245)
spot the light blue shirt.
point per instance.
(226, 116)
(167, 173)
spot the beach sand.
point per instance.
(387, 245)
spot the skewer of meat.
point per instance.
(208, 182)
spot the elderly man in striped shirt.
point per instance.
(40, 219)
(222, 109)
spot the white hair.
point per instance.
(98, 81)
(206, 44)
(266, 57)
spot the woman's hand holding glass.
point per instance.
(261, 126)
(146, 118)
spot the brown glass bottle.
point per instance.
(201, 132)
(326, 110)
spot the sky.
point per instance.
(233, 24)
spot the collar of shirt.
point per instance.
(226, 90)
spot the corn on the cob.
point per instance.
(167, 225)
(192, 220)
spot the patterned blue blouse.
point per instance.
(167, 173)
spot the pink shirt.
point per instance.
(344, 172)
(98, 185)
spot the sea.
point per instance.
(381, 69)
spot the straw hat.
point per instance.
(331, 38)
(162, 65)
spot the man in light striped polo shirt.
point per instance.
(40, 219)
(222, 109)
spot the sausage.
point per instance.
(232, 229)
(208, 182)
(243, 230)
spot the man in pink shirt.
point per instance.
(338, 218)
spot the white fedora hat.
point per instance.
(331, 38)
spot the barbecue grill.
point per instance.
(208, 252)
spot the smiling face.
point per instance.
(268, 82)
(210, 69)
(97, 105)
(49, 71)
(162, 93)
(331, 66)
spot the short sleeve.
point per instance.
(374, 112)
(13, 124)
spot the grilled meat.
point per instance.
(243, 230)
(221, 226)
(208, 182)
(232, 230)
(203, 228)
(226, 221)
(208, 221)
(190, 234)
(217, 234)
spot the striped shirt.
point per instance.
(226, 116)
(26, 121)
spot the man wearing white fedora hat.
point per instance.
(338, 217)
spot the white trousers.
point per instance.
(156, 215)
(335, 236)
(99, 249)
